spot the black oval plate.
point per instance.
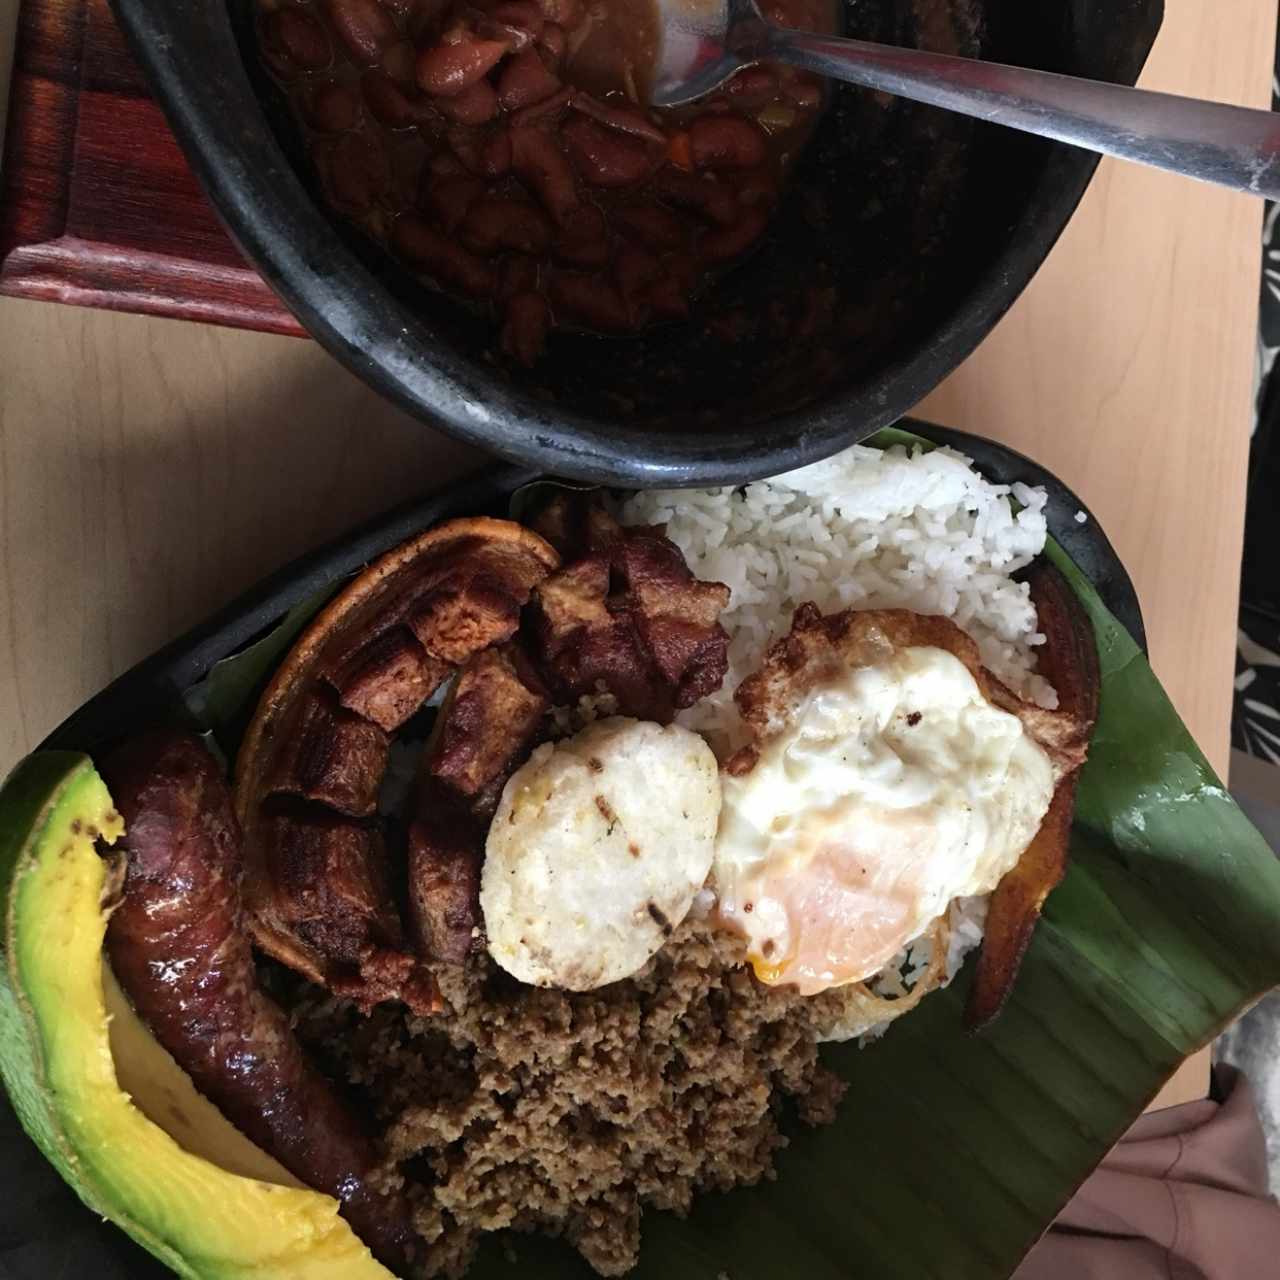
(44, 1230)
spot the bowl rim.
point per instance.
(190, 55)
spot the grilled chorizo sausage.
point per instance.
(178, 948)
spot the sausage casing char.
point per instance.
(178, 947)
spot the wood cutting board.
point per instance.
(97, 204)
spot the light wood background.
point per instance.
(150, 469)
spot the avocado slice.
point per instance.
(106, 1104)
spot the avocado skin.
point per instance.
(29, 795)
(39, 790)
(52, 809)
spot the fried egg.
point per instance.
(596, 851)
(883, 789)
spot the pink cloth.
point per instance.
(1183, 1196)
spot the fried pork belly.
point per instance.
(575, 523)
(328, 878)
(446, 850)
(491, 720)
(330, 873)
(629, 618)
(626, 617)
(310, 768)
(470, 599)
(676, 617)
(487, 725)
(330, 755)
(386, 679)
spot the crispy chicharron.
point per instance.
(310, 768)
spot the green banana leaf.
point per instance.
(224, 700)
(953, 1152)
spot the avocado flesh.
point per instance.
(241, 1217)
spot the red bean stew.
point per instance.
(502, 150)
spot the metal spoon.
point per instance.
(703, 42)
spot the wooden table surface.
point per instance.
(151, 469)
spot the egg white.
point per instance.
(892, 789)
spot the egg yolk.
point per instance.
(892, 790)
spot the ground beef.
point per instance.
(567, 1113)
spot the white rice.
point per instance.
(965, 920)
(866, 529)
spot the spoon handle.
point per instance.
(1233, 146)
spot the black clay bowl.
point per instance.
(905, 234)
